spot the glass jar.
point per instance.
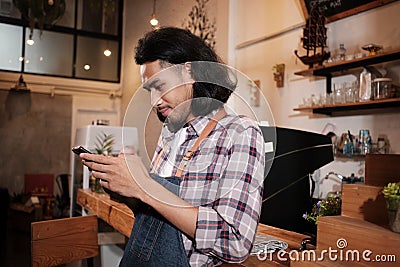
(339, 96)
(381, 88)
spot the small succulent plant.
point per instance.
(391, 192)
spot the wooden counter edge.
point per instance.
(121, 218)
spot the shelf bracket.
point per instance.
(328, 83)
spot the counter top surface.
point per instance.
(121, 217)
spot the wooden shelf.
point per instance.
(351, 64)
(356, 108)
(329, 69)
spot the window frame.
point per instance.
(75, 33)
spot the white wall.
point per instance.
(262, 18)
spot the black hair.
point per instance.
(213, 83)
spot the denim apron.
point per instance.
(154, 241)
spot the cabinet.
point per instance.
(340, 68)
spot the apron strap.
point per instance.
(188, 155)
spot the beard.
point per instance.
(175, 120)
(160, 116)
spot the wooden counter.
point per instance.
(121, 217)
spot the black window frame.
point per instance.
(75, 33)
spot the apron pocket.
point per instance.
(146, 231)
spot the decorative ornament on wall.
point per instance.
(314, 39)
(199, 23)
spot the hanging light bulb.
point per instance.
(30, 40)
(154, 20)
(107, 52)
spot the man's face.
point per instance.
(171, 92)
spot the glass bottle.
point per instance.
(342, 52)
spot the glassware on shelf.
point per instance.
(365, 91)
(372, 48)
(364, 142)
(351, 92)
(338, 94)
(329, 99)
(381, 88)
(342, 52)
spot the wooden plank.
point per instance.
(120, 217)
(86, 199)
(293, 239)
(56, 242)
(356, 108)
(122, 220)
(381, 169)
(358, 235)
(320, 261)
(104, 210)
(63, 227)
(364, 202)
(350, 64)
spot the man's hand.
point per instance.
(115, 175)
(127, 176)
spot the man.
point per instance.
(201, 200)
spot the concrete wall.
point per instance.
(34, 137)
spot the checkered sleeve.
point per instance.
(226, 227)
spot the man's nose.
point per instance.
(155, 98)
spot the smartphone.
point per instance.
(80, 149)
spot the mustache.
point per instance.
(161, 117)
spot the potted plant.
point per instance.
(103, 146)
(327, 207)
(391, 192)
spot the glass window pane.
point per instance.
(7, 9)
(52, 53)
(98, 16)
(10, 47)
(91, 61)
(68, 19)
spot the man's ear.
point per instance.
(187, 67)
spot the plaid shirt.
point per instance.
(224, 179)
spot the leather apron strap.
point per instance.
(188, 155)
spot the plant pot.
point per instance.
(394, 215)
(394, 220)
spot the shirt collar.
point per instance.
(200, 122)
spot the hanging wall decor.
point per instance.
(40, 12)
(314, 40)
(199, 23)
